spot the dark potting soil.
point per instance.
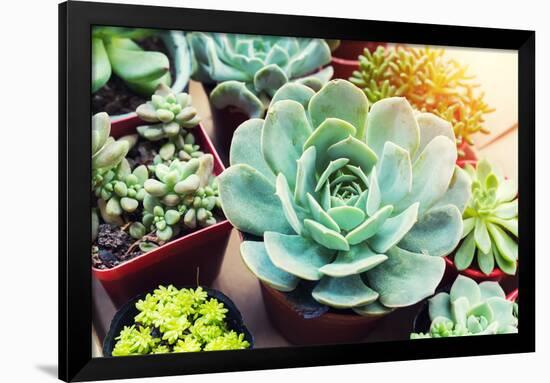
(112, 246)
(115, 97)
(143, 153)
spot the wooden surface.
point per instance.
(496, 72)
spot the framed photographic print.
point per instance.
(247, 191)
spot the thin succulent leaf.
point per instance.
(297, 255)
(358, 153)
(269, 79)
(481, 235)
(509, 224)
(392, 119)
(369, 227)
(486, 261)
(326, 237)
(359, 173)
(405, 278)
(287, 202)
(506, 245)
(459, 191)
(489, 289)
(101, 67)
(468, 225)
(305, 176)
(374, 309)
(467, 288)
(285, 130)
(236, 94)
(316, 52)
(256, 259)
(249, 201)
(432, 126)
(374, 198)
(439, 306)
(341, 100)
(507, 266)
(344, 292)
(246, 148)
(465, 253)
(395, 173)
(327, 134)
(357, 260)
(394, 229)
(507, 210)
(293, 91)
(332, 167)
(432, 174)
(347, 217)
(436, 233)
(320, 215)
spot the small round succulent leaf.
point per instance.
(394, 229)
(167, 151)
(345, 292)
(347, 217)
(440, 306)
(405, 278)
(341, 100)
(269, 79)
(165, 234)
(370, 226)
(113, 207)
(172, 217)
(286, 129)
(110, 155)
(246, 147)
(297, 255)
(465, 254)
(358, 259)
(155, 188)
(141, 174)
(392, 119)
(293, 91)
(249, 202)
(257, 260)
(129, 204)
(325, 237)
(147, 112)
(137, 230)
(205, 168)
(467, 288)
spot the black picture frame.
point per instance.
(75, 296)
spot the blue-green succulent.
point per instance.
(470, 309)
(490, 222)
(362, 202)
(248, 69)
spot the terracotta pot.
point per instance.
(126, 314)
(188, 260)
(328, 328)
(344, 58)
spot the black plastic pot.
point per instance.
(125, 317)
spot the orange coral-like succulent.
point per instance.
(430, 81)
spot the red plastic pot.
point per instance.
(344, 58)
(188, 260)
(470, 156)
(329, 328)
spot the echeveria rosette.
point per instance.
(248, 69)
(365, 213)
(470, 309)
(490, 222)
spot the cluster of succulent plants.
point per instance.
(366, 213)
(248, 69)
(490, 222)
(470, 309)
(430, 81)
(178, 320)
(114, 50)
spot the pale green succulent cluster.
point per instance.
(181, 195)
(248, 69)
(470, 309)
(490, 222)
(367, 213)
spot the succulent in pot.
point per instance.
(365, 214)
(431, 83)
(249, 69)
(470, 309)
(490, 231)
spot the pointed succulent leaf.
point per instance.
(326, 237)
(394, 229)
(465, 254)
(287, 202)
(507, 247)
(370, 226)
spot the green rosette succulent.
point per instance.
(183, 194)
(248, 69)
(365, 214)
(490, 222)
(114, 50)
(470, 309)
